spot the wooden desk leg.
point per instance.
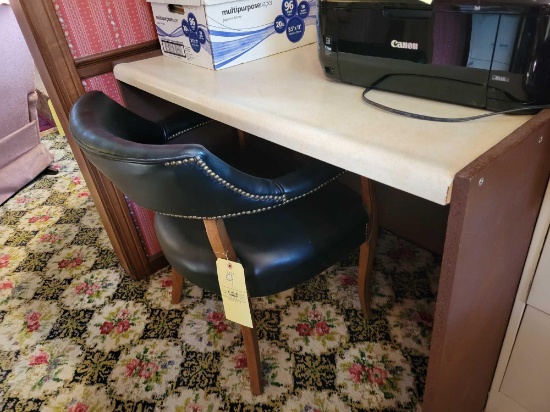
(495, 204)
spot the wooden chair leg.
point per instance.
(365, 275)
(252, 349)
(177, 286)
(222, 247)
(367, 249)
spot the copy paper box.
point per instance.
(219, 33)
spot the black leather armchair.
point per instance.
(283, 230)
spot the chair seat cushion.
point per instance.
(279, 249)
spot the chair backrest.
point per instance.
(184, 180)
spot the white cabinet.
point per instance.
(522, 379)
(527, 376)
(539, 296)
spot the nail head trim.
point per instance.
(249, 212)
(173, 136)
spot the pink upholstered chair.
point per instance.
(22, 156)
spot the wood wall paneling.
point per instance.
(102, 63)
(412, 218)
(44, 36)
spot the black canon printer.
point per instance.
(493, 54)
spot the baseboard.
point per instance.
(157, 262)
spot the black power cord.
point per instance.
(446, 119)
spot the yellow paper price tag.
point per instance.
(234, 294)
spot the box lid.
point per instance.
(192, 2)
(180, 2)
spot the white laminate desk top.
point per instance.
(286, 99)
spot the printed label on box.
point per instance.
(230, 33)
(183, 35)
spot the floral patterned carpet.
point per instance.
(78, 335)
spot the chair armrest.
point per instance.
(121, 122)
(182, 179)
(95, 108)
(308, 179)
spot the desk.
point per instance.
(493, 173)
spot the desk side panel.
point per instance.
(495, 204)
